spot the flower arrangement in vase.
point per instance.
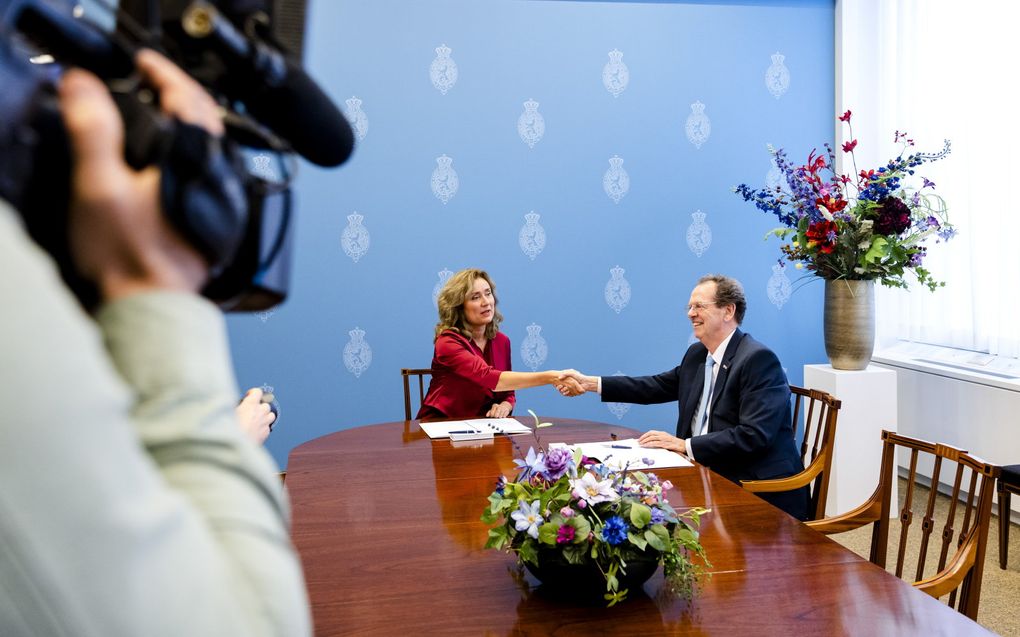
(583, 525)
(854, 230)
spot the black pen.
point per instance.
(619, 446)
(465, 432)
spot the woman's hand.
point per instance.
(570, 382)
(500, 410)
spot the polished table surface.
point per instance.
(386, 522)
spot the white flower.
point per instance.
(592, 491)
(528, 518)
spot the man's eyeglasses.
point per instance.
(699, 306)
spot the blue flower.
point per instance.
(615, 531)
(658, 516)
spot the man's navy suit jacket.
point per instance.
(750, 430)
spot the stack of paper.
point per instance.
(474, 429)
(628, 452)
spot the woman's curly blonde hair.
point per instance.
(451, 304)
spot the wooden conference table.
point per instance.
(386, 523)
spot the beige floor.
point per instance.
(1000, 589)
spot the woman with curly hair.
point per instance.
(471, 374)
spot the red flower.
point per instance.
(822, 235)
(845, 117)
(830, 204)
(814, 164)
(849, 146)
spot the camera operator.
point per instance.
(132, 502)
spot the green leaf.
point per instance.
(498, 537)
(497, 502)
(637, 541)
(574, 553)
(612, 583)
(582, 528)
(539, 425)
(640, 515)
(686, 537)
(658, 537)
(547, 533)
(615, 597)
(528, 551)
(781, 233)
(879, 249)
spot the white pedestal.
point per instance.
(868, 406)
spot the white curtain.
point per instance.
(944, 69)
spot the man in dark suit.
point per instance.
(744, 429)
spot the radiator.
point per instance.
(965, 399)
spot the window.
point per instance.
(941, 69)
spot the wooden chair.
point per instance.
(1009, 483)
(969, 511)
(816, 449)
(420, 375)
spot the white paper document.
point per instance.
(629, 452)
(473, 429)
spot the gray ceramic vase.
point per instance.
(849, 323)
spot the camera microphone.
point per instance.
(274, 90)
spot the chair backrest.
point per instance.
(950, 562)
(819, 411)
(419, 375)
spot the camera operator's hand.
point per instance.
(119, 238)
(256, 417)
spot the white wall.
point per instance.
(981, 418)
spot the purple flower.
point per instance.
(558, 462)
(501, 484)
(533, 464)
(658, 516)
(933, 222)
(615, 531)
(927, 183)
(565, 534)
(567, 512)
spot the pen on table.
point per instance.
(466, 431)
(619, 446)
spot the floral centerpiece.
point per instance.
(871, 226)
(567, 509)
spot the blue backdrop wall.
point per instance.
(581, 152)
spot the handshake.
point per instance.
(570, 382)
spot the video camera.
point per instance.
(229, 198)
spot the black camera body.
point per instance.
(238, 218)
